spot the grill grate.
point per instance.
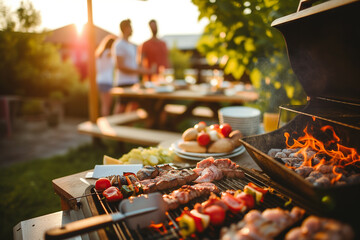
(170, 230)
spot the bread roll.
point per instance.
(190, 134)
(221, 145)
(192, 146)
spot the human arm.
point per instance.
(120, 64)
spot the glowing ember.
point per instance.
(160, 227)
(321, 163)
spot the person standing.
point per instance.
(154, 53)
(105, 73)
(127, 70)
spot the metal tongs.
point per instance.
(138, 212)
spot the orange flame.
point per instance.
(330, 153)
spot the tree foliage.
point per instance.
(240, 32)
(29, 65)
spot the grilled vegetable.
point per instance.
(217, 214)
(186, 224)
(127, 191)
(257, 192)
(205, 219)
(247, 198)
(235, 205)
(112, 194)
(102, 183)
(257, 188)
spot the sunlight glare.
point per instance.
(79, 27)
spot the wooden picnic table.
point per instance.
(154, 102)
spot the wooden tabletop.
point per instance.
(155, 102)
(72, 186)
(238, 97)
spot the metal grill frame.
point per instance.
(277, 197)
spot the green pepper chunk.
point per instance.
(127, 191)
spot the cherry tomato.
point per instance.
(247, 198)
(217, 214)
(225, 129)
(112, 194)
(235, 205)
(102, 183)
(203, 138)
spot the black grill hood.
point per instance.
(323, 48)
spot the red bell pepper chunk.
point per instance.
(247, 198)
(112, 194)
(235, 205)
(257, 188)
(198, 222)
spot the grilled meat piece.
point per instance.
(209, 174)
(168, 179)
(225, 163)
(206, 187)
(148, 185)
(210, 169)
(147, 172)
(205, 163)
(187, 193)
(233, 173)
(266, 225)
(165, 167)
(315, 227)
(171, 202)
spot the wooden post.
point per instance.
(93, 91)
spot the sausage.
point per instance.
(235, 136)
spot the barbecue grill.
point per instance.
(95, 205)
(323, 48)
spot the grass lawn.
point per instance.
(26, 188)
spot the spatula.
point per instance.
(138, 212)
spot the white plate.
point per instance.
(242, 150)
(164, 89)
(175, 147)
(239, 112)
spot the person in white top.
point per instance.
(105, 72)
(127, 69)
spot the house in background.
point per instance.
(73, 44)
(187, 43)
(200, 66)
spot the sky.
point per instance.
(172, 16)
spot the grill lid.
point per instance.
(323, 48)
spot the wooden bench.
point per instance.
(111, 127)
